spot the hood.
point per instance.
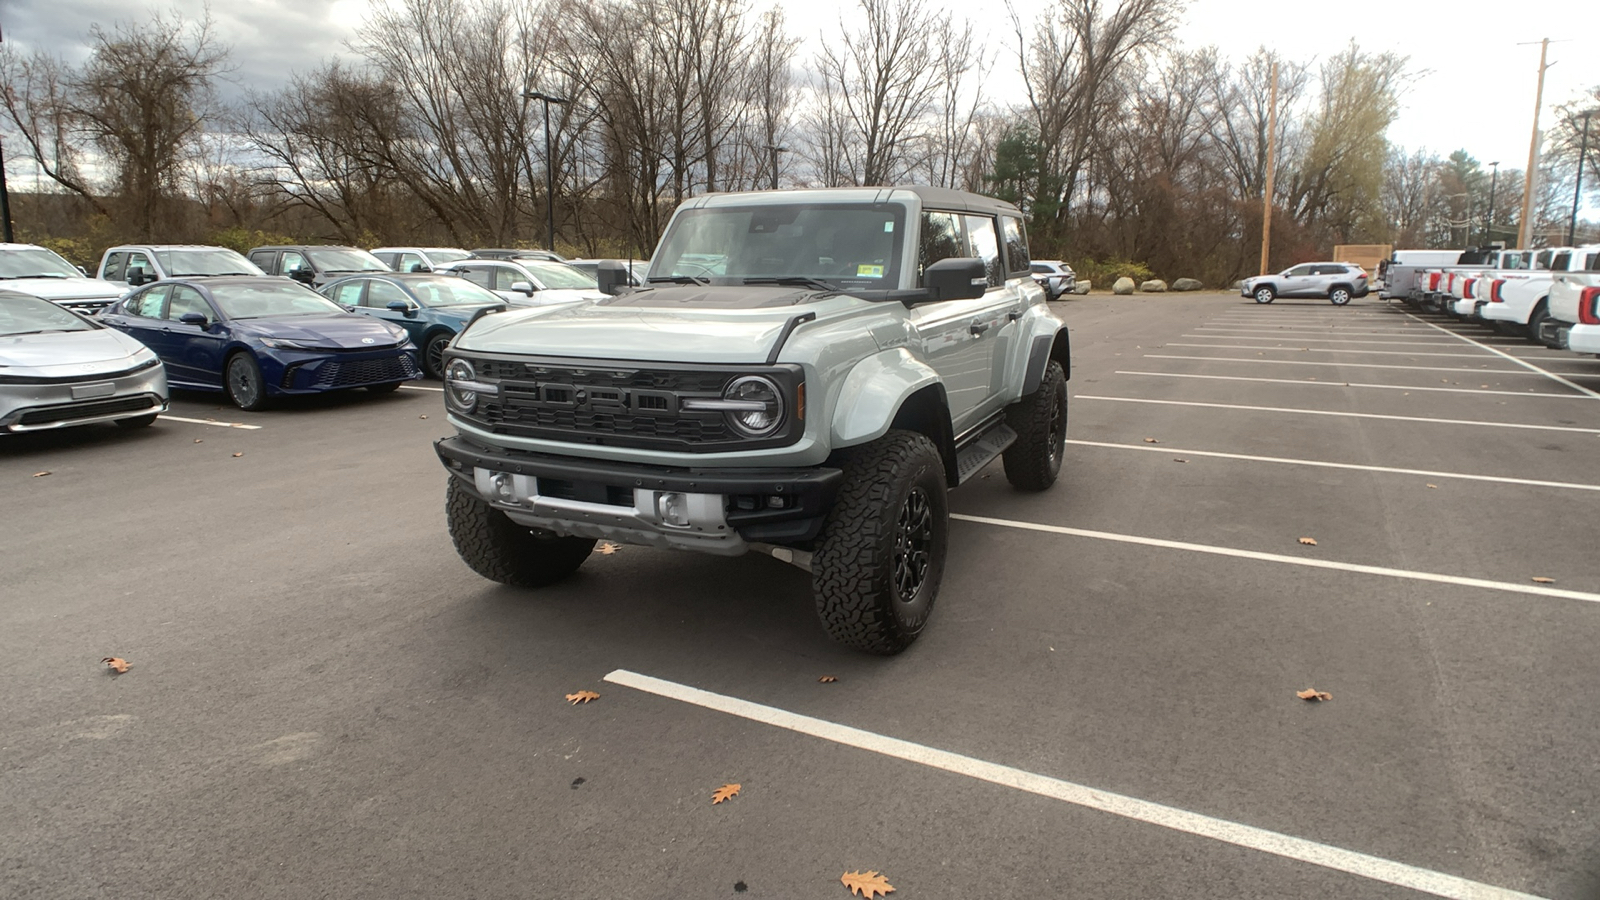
(56, 354)
(563, 295)
(665, 325)
(66, 288)
(350, 331)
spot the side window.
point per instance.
(481, 276)
(1016, 245)
(940, 239)
(349, 293)
(1559, 264)
(410, 262)
(505, 277)
(985, 245)
(1593, 263)
(111, 270)
(381, 293)
(137, 260)
(386, 257)
(292, 260)
(185, 299)
(150, 303)
(1300, 271)
(265, 260)
(1542, 261)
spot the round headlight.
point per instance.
(458, 371)
(756, 389)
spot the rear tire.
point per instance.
(1339, 296)
(1040, 421)
(501, 550)
(880, 557)
(1265, 294)
(1540, 313)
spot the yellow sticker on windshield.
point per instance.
(864, 271)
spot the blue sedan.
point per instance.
(431, 308)
(259, 337)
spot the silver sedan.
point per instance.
(58, 368)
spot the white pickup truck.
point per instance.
(1471, 292)
(1573, 321)
(1518, 300)
(1438, 287)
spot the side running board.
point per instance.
(982, 449)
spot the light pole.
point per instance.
(549, 168)
(775, 151)
(1488, 224)
(1577, 192)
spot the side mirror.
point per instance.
(305, 276)
(198, 320)
(612, 277)
(136, 276)
(400, 306)
(419, 267)
(525, 287)
(957, 278)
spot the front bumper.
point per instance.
(61, 404)
(719, 511)
(313, 371)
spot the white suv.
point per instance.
(1055, 276)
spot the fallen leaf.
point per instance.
(1434, 486)
(1151, 441)
(422, 417)
(866, 884)
(607, 548)
(1179, 459)
(116, 664)
(1311, 542)
(828, 679)
(1313, 694)
(1543, 580)
(237, 455)
(198, 441)
(582, 697)
(40, 474)
(726, 792)
(577, 781)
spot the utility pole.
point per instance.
(775, 151)
(5, 196)
(1577, 192)
(1272, 165)
(1525, 227)
(549, 169)
(1488, 223)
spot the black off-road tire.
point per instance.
(501, 550)
(860, 559)
(1040, 421)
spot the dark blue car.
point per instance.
(431, 308)
(259, 337)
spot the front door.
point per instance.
(194, 352)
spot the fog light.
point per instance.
(673, 508)
(502, 486)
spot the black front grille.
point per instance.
(354, 373)
(86, 410)
(623, 404)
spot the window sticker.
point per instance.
(865, 271)
(888, 227)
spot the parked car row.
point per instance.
(1549, 296)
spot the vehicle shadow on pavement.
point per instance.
(60, 441)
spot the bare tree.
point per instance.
(35, 95)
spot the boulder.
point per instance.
(1082, 287)
(1188, 284)
(1154, 286)
(1124, 285)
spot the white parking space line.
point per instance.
(210, 422)
(1373, 868)
(422, 387)
(1229, 337)
(1519, 361)
(1323, 464)
(1328, 350)
(1345, 365)
(1537, 590)
(1266, 330)
(1355, 384)
(1343, 414)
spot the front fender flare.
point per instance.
(873, 392)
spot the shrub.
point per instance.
(1104, 273)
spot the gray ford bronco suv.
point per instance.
(805, 374)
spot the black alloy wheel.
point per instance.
(913, 545)
(242, 380)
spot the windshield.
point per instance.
(20, 314)
(35, 262)
(557, 276)
(851, 247)
(256, 301)
(208, 261)
(451, 291)
(337, 260)
(443, 257)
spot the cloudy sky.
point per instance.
(1472, 86)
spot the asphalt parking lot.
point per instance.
(323, 701)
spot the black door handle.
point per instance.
(977, 328)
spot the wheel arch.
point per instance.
(1044, 348)
(893, 389)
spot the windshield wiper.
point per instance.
(796, 281)
(681, 279)
(35, 275)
